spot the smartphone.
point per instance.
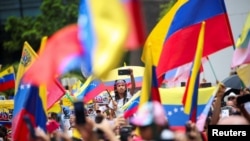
(79, 112)
(124, 72)
(243, 99)
(99, 132)
(29, 126)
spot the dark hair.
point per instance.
(54, 116)
(125, 132)
(117, 97)
(3, 132)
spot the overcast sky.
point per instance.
(221, 61)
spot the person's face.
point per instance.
(121, 87)
(49, 116)
(132, 136)
(72, 120)
(233, 100)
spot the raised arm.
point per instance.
(132, 90)
(217, 108)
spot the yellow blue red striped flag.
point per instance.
(191, 92)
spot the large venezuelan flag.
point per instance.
(87, 35)
(55, 90)
(111, 30)
(28, 101)
(172, 103)
(7, 79)
(90, 42)
(61, 52)
(182, 34)
(171, 99)
(137, 33)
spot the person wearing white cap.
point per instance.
(231, 96)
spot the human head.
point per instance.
(231, 96)
(53, 116)
(72, 120)
(120, 82)
(66, 111)
(3, 132)
(151, 119)
(120, 87)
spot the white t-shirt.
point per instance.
(120, 103)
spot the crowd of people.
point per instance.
(150, 122)
(230, 107)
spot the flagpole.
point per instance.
(210, 64)
(69, 97)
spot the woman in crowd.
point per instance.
(122, 95)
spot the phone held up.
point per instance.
(244, 99)
(79, 112)
(124, 72)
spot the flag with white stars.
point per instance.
(28, 102)
(172, 103)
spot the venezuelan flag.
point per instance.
(182, 31)
(172, 103)
(28, 57)
(150, 87)
(7, 79)
(90, 42)
(137, 34)
(28, 101)
(131, 106)
(191, 92)
(171, 99)
(61, 52)
(242, 52)
(90, 89)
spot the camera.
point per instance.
(243, 99)
(125, 132)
